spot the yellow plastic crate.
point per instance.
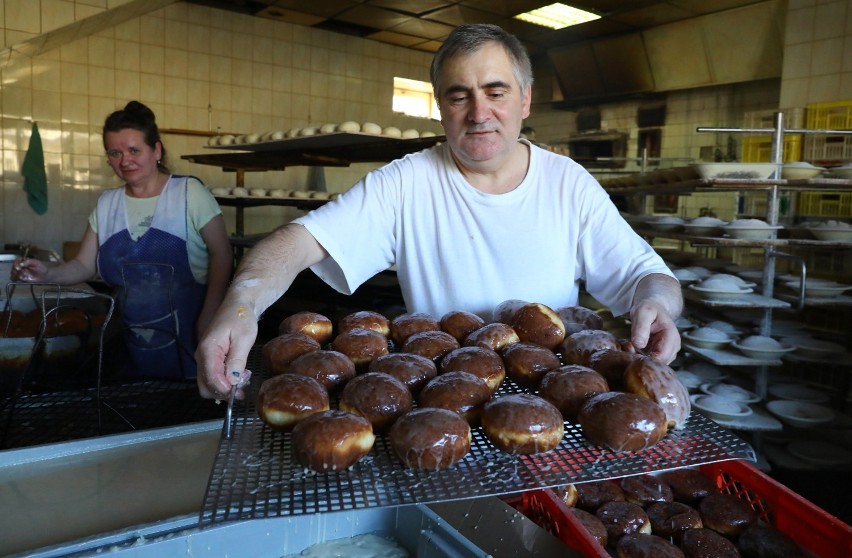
(758, 149)
(824, 204)
(834, 115)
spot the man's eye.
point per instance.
(114, 154)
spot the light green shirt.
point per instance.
(202, 207)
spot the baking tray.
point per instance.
(332, 140)
(254, 475)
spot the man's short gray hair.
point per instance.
(467, 39)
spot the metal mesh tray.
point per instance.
(254, 475)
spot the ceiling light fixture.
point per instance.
(557, 16)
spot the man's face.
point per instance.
(482, 106)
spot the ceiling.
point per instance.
(424, 24)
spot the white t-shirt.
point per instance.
(456, 248)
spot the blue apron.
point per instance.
(158, 294)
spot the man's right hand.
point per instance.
(224, 349)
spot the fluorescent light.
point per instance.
(557, 16)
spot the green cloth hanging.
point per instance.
(35, 177)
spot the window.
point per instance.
(414, 98)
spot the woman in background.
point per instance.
(160, 242)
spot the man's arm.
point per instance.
(263, 275)
(657, 302)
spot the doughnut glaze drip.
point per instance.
(332, 440)
(522, 423)
(430, 438)
(622, 421)
(651, 378)
(479, 361)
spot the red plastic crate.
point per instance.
(810, 526)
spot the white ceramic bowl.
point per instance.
(818, 452)
(817, 348)
(841, 172)
(716, 294)
(705, 343)
(708, 372)
(800, 171)
(832, 234)
(819, 289)
(720, 407)
(690, 380)
(800, 414)
(798, 392)
(734, 170)
(751, 233)
(762, 352)
(666, 223)
(732, 392)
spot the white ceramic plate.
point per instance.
(715, 294)
(820, 453)
(756, 352)
(705, 343)
(832, 235)
(701, 402)
(798, 392)
(751, 233)
(731, 392)
(800, 414)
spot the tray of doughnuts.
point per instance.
(294, 466)
(727, 508)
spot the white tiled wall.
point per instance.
(198, 69)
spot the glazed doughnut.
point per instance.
(311, 324)
(689, 486)
(279, 352)
(656, 381)
(412, 370)
(707, 543)
(504, 311)
(364, 319)
(527, 363)
(433, 345)
(361, 346)
(763, 541)
(726, 514)
(539, 324)
(460, 392)
(332, 440)
(645, 490)
(639, 545)
(378, 397)
(579, 347)
(622, 518)
(622, 421)
(568, 387)
(495, 336)
(592, 525)
(285, 399)
(406, 325)
(578, 318)
(430, 438)
(611, 364)
(592, 495)
(522, 423)
(479, 361)
(671, 519)
(330, 368)
(460, 323)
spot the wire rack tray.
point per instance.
(254, 475)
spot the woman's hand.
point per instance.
(29, 270)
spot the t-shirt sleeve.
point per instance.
(202, 206)
(607, 238)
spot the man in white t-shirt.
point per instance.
(483, 218)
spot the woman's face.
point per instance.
(133, 160)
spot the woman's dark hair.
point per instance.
(468, 38)
(137, 116)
